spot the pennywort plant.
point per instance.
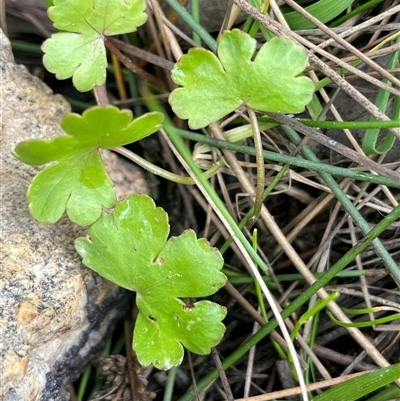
(127, 242)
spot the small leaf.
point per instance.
(214, 87)
(79, 51)
(78, 182)
(131, 249)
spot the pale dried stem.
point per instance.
(313, 210)
(297, 390)
(375, 36)
(153, 30)
(357, 28)
(278, 13)
(250, 264)
(344, 43)
(362, 26)
(158, 14)
(279, 30)
(217, 222)
(250, 364)
(359, 266)
(296, 260)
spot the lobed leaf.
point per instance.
(213, 87)
(131, 249)
(77, 181)
(79, 51)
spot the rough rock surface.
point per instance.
(55, 312)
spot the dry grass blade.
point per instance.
(342, 83)
(336, 146)
(294, 391)
(344, 43)
(296, 260)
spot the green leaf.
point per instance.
(79, 51)
(77, 182)
(130, 248)
(214, 87)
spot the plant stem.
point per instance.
(250, 213)
(276, 157)
(196, 17)
(350, 208)
(128, 63)
(100, 93)
(169, 388)
(164, 173)
(336, 146)
(260, 165)
(343, 124)
(300, 300)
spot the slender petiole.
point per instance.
(179, 179)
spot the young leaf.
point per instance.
(214, 87)
(79, 51)
(78, 182)
(131, 249)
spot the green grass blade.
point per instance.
(379, 248)
(367, 323)
(371, 135)
(319, 305)
(356, 11)
(391, 392)
(196, 17)
(360, 386)
(196, 27)
(393, 123)
(324, 10)
(277, 157)
(299, 301)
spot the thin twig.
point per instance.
(127, 62)
(222, 374)
(142, 54)
(297, 390)
(343, 42)
(297, 261)
(357, 28)
(366, 24)
(350, 90)
(336, 146)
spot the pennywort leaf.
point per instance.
(131, 248)
(77, 181)
(215, 86)
(78, 51)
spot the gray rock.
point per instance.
(56, 313)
